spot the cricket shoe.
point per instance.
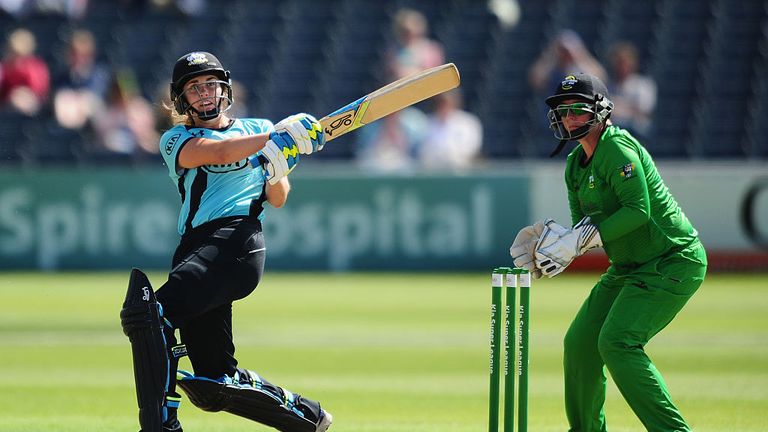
(325, 422)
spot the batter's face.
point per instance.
(203, 92)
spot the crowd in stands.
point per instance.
(445, 138)
(25, 81)
(104, 110)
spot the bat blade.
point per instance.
(390, 98)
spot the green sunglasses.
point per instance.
(577, 109)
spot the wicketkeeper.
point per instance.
(618, 202)
(220, 258)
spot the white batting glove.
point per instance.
(523, 248)
(559, 246)
(305, 130)
(282, 155)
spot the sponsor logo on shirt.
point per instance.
(171, 144)
(219, 169)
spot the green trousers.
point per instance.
(623, 312)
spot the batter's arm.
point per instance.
(277, 194)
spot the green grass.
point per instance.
(383, 352)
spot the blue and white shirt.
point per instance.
(215, 191)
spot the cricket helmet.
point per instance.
(581, 87)
(195, 64)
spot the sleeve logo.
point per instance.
(627, 171)
(171, 144)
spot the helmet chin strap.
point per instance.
(212, 114)
(207, 115)
(558, 149)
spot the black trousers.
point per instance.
(215, 264)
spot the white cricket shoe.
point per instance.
(325, 422)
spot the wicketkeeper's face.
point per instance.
(574, 113)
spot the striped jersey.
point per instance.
(215, 191)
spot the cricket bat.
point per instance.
(386, 100)
(390, 98)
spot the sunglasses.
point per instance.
(577, 109)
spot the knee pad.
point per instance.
(248, 395)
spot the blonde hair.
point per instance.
(176, 118)
(170, 111)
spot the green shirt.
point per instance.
(621, 190)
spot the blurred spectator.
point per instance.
(453, 137)
(12, 7)
(21, 8)
(633, 94)
(506, 11)
(126, 124)
(184, 7)
(391, 144)
(80, 89)
(413, 50)
(25, 79)
(71, 8)
(565, 55)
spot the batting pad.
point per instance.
(142, 321)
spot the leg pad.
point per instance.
(141, 319)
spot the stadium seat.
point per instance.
(708, 58)
(12, 136)
(50, 144)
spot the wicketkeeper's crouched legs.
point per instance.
(154, 362)
(248, 395)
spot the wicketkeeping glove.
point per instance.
(281, 154)
(559, 246)
(523, 248)
(305, 130)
